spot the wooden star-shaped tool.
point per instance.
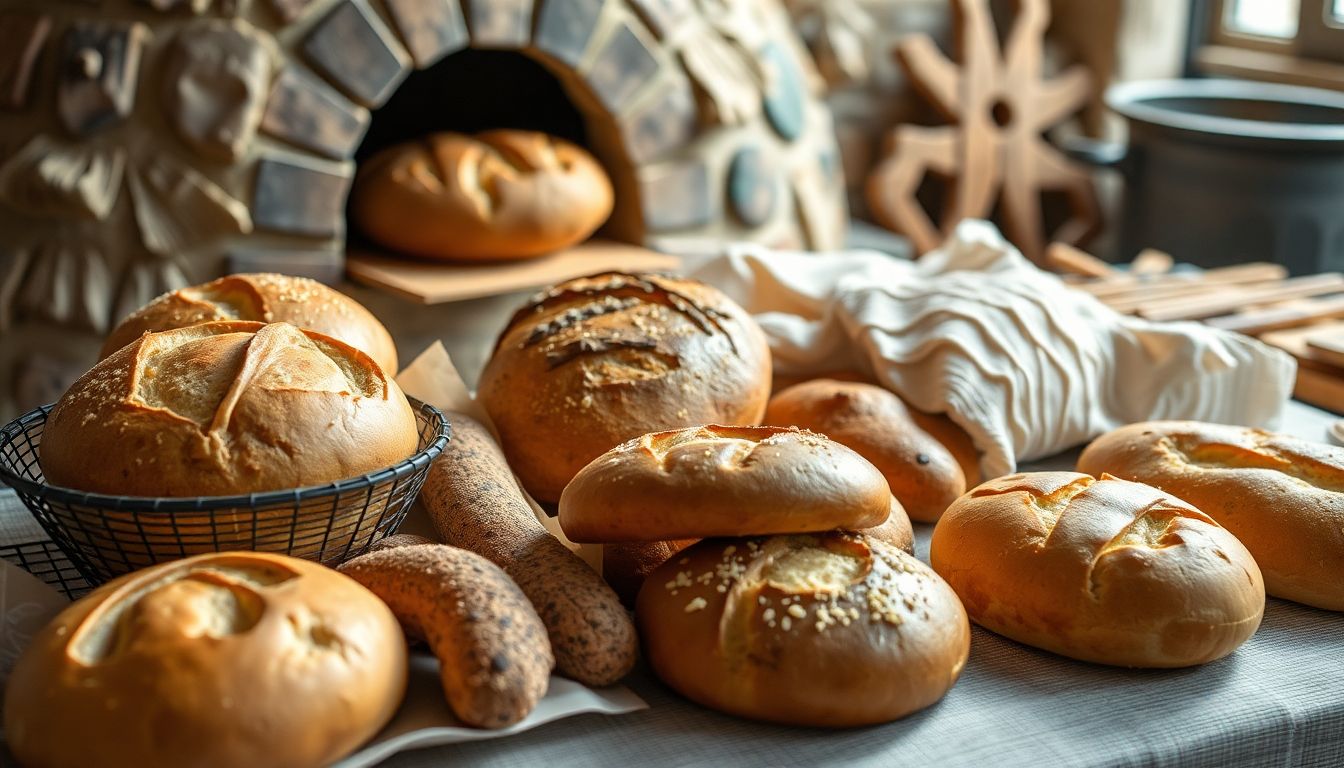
(995, 150)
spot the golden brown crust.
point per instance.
(895, 530)
(923, 474)
(722, 481)
(265, 298)
(1100, 570)
(400, 540)
(494, 659)
(1282, 497)
(225, 408)
(498, 195)
(219, 660)
(830, 629)
(596, 361)
(475, 504)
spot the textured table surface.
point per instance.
(1277, 701)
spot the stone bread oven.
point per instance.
(147, 144)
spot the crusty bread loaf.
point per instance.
(225, 408)
(1100, 570)
(830, 629)
(475, 503)
(1282, 497)
(498, 195)
(596, 361)
(220, 660)
(873, 421)
(263, 298)
(494, 659)
(895, 530)
(722, 481)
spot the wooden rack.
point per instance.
(1304, 316)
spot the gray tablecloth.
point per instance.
(1277, 701)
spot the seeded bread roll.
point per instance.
(722, 481)
(1099, 570)
(829, 629)
(226, 408)
(923, 474)
(219, 660)
(494, 659)
(475, 504)
(598, 360)
(1282, 497)
(264, 298)
(626, 564)
(498, 195)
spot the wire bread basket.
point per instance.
(104, 536)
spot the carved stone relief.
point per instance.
(215, 84)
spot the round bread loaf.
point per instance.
(830, 629)
(1100, 570)
(723, 481)
(498, 195)
(1282, 497)
(264, 298)
(225, 408)
(923, 474)
(596, 361)
(227, 659)
(626, 564)
(494, 659)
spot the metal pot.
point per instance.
(1225, 171)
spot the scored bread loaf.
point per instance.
(1100, 570)
(873, 421)
(264, 298)
(827, 629)
(722, 481)
(219, 660)
(596, 361)
(1281, 496)
(226, 408)
(498, 195)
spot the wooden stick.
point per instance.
(1261, 321)
(1241, 273)
(1143, 295)
(1064, 258)
(1191, 308)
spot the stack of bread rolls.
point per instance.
(787, 610)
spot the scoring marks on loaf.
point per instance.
(1192, 451)
(1048, 508)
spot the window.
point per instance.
(1293, 41)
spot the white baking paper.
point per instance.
(424, 719)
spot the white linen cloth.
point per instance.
(1027, 366)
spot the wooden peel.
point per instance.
(1000, 107)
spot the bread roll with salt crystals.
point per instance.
(265, 298)
(226, 408)
(1104, 570)
(1281, 496)
(832, 629)
(216, 661)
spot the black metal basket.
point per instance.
(48, 563)
(105, 536)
